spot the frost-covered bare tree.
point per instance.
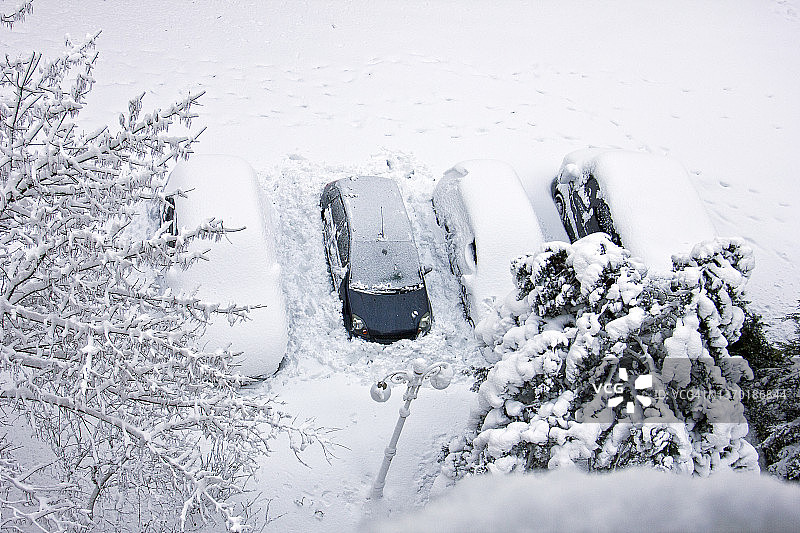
(96, 358)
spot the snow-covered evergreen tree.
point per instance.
(601, 365)
(781, 394)
(95, 356)
(772, 399)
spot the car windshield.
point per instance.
(384, 266)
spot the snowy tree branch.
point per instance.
(99, 358)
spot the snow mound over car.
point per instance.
(655, 209)
(242, 266)
(485, 202)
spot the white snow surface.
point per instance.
(624, 501)
(309, 92)
(484, 203)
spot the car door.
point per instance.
(337, 240)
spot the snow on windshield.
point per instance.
(384, 266)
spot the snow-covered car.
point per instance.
(373, 260)
(644, 202)
(242, 266)
(488, 222)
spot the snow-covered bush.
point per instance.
(600, 365)
(95, 356)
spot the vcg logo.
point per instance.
(627, 388)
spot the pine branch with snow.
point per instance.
(773, 398)
(97, 356)
(585, 318)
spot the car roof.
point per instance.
(375, 209)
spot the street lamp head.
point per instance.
(419, 365)
(441, 379)
(380, 391)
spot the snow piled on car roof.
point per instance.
(655, 209)
(501, 220)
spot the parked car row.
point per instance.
(642, 201)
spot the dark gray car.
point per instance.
(373, 260)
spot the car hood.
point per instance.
(390, 314)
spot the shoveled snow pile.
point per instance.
(630, 500)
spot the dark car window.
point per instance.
(168, 215)
(337, 208)
(343, 242)
(342, 230)
(594, 216)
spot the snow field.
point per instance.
(713, 85)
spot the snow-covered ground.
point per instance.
(311, 91)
